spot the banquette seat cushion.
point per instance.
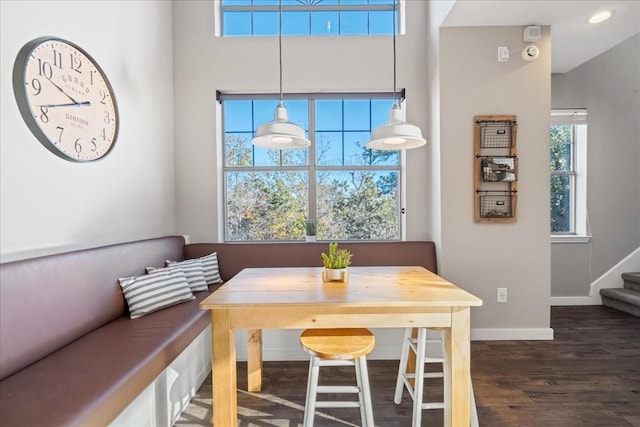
(69, 352)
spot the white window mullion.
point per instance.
(576, 119)
(313, 208)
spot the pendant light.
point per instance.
(280, 134)
(397, 134)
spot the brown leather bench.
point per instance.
(233, 257)
(69, 353)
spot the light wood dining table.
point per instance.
(373, 297)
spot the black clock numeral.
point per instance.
(76, 63)
(61, 129)
(107, 117)
(104, 134)
(43, 114)
(94, 146)
(78, 146)
(91, 76)
(57, 59)
(104, 95)
(35, 84)
(44, 69)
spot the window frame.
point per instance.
(311, 168)
(579, 225)
(398, 6)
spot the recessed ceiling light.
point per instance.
(600, 17)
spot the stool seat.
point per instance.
(338, 344)
(338, 347)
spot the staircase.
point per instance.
(625, 299)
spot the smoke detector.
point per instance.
(530, 53)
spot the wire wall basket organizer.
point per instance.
(497, 134)
(495, 168)
(499, 169)
(495, 204)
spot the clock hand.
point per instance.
(71, 104)
(62, 90)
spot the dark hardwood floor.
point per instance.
(589, 375)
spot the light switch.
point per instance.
(503, 53)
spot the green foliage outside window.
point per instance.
(355, 191)
(273, 205)
(561, 178)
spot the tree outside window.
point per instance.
(352, 192)
(562, 177)
(568, 135)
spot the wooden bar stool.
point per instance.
(414, 382)
(338, 347)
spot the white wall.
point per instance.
(204, 64)
(471, 82)
(50, 205)
(608, 86)
(130, 194)
(482, 257)
(436, 14)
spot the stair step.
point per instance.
(631, 281)
(622, 299)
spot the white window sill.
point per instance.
(570, 238)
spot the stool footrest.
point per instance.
(337, 389)
(426, 375)
(433, 405)
(328, 404)
(332, 362)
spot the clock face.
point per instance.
(65, 99)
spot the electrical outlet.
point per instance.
(502, 294)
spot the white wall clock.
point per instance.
(65, 99)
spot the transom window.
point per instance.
(307, 17)
(353, 193)
(568, 139)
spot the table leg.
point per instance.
(224, 378)
(457, 363)
(254, 360)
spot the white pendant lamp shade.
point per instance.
(397, 134)
(280, 134)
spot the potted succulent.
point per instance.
(310, 227)
(336, 263)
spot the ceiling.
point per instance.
(573, 40)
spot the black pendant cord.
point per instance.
(395, 98)
(280, 46)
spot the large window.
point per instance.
(568, 172)
(352, 192)
(307, 17)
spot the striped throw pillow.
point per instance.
(209, 267)
(146, 294)
(192, 270)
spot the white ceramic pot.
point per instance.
(336, 275)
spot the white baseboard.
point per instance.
(511, 334)
(574, 301)
(612, 278)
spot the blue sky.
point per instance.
(306, 22)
